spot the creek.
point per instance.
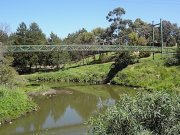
(66, 114)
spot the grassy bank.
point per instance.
(13, 104)
(83, 74)
(150, 74)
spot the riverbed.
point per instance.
(66, 113)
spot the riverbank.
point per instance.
(150, 74)
(93, 74)
(13, 104)
(147, 74)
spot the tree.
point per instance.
(20, 38)
(79, 37)
(170, 33)
(143, 30)
(85, 38)
(133, 38)
(27, 36)
(4, 33)
(36, 37)
(115, 17)
(58, 57)
(115, 32)
(122, 61)
(98, 35)
(7, 73)
(21, 34)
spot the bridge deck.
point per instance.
(114, 48)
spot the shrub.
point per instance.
(144, 54)
(13, 104)
(174, 60)
(146, 114)
(7, 73)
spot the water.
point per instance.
(66, 114)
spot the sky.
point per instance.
(66, 16)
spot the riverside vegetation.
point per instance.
(147, 73)
(13, 102)
(154, 108)
(92, 74)
(154, 113)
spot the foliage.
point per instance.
(86, 74)
(154, 113)
(170, 33)
(58, 58)
(144, 54)
(7, 74)
(13, 104)
(175, 59)
(4, 33)
(122, 60)
(121, 31)
(150, 74)
(104, 58)
(133, 38)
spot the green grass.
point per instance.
(13, 104)
(84, 74)
(89, 60)
(150, 74)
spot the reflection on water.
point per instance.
(63, 114)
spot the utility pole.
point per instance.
(160, 25)
(153, 36)
(162, 42)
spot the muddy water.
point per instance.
(66, 114)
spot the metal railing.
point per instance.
(114, 48)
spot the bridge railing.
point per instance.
(47, 48)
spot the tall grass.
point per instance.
(150, 74)
(84, 74)
(13, 104)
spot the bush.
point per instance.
(147, 114)
(144, 54)
(174, 60)
(7, 73)
(13, 104)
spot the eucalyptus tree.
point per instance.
(118, 25)
(118, 28)
(170, 33)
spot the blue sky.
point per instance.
(66, 16)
